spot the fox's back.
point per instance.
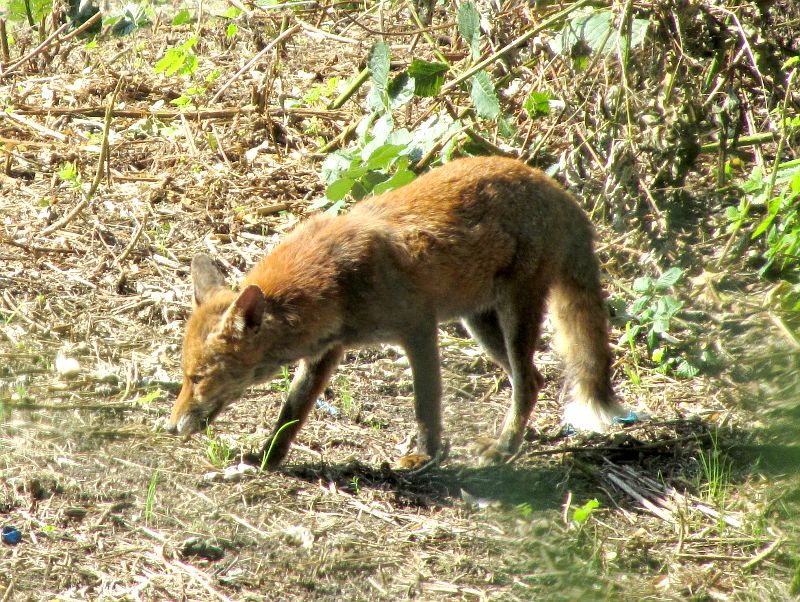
(475, 219)
(449, 237)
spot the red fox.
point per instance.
(488, 240)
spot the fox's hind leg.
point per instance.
(484, 327)
(519, 318)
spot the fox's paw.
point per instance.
(413, 461)
(490, 451)
(270, 456)
(419, 462)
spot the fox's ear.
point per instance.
(245, 314)
(206, 278)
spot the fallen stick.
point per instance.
(254, 60)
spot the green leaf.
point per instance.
(401, 90)
(338, 190)
(790, 62)
(231, 30)
(399, 179)
(378, 64)
(582, 514)
(643, 284)
(182, 17)
(795, 183)
(596, 28)
(668, 279)
(469, 26)
(537, 103)
(377, 100)
(150, 397)
(39, 8)
(428, 77)
(484, 96)
(732, 213)
(687, 370)
(382, 156)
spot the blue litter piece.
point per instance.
(568, 430)
(11, 535)
(631, 418)
(327, 408)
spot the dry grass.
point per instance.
(111, 508)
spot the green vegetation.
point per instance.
(218, 451)
(150, 500)
(651, 316)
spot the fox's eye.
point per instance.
(196, 378)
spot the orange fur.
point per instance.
(488, 240)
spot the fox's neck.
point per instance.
(302, 292)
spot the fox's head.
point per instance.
(223, 350)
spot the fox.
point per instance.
(487, 240)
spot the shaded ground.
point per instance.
(698, 502)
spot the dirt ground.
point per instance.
(699, 500)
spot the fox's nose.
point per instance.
(164, 424)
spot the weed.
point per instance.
(652, 314)
(218, 452)
(355, 486)
(525, 510)
(349, 405)
(634, 374)
(32, 10)
(581, 515)
(769, 206)
(284, 383)
(716, 471)
(272, 443)
(68, 172)
(150, 397)
(178, 60)
(151, 498)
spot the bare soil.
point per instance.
(696, 501)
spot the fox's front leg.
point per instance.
(308, 384)
(423, 355)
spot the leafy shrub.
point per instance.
(651, 315)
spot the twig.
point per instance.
(51, 39)
(511, 45)
(45, 43)
(762, 555)
(326, 34)
(226, 113)
(742, 141)
(6, 55)
(241, 7)
(45, 131)
(98, 176)
(132, 244)
(254, 60)
(9, 590)
(351, 89)
(33, 248)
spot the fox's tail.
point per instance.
(577, 305)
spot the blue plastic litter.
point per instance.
(11, 535)
(327, 408)
(568, 430)
(631, 418)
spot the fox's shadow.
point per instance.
(543, 474)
